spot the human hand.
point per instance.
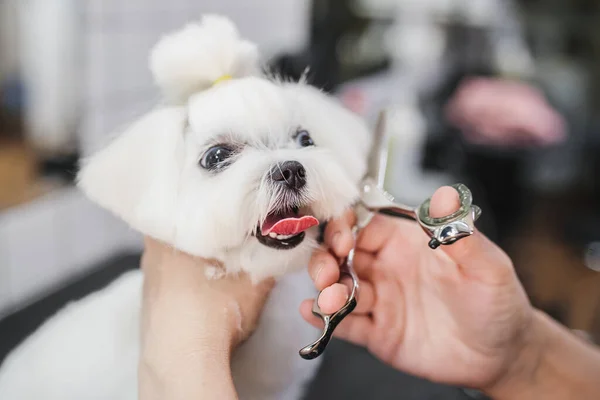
(456, 315)
(504, 113)
(191, 323)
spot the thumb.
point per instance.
(476, 255)
(256, 293)
(265, 286)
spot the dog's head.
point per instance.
(240, 171)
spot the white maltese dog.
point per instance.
(236, 167)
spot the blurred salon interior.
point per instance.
(502, 95)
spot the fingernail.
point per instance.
(319, 269)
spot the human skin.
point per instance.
(456, 315)
(504, 113)
(191, 325)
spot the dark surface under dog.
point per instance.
(347, 372)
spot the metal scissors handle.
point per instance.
(349, 278)
(442, 231)
(331, 321)
(375, 199)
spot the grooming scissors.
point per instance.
(375, 199)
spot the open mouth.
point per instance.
(285, 229)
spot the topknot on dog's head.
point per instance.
(195, 57)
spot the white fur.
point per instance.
(150, 177)
(191, 59)
(89, 350)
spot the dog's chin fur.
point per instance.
(150, 175)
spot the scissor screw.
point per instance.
(434, 243)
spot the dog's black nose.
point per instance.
(289, 173)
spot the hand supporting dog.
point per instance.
(191, 324)
(233, 165)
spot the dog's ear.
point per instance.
(136, 175)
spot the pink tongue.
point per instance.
(290, 226)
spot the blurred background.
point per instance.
(499, 94)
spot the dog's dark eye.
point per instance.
(216, 157)
(303, 138)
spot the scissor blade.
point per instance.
(379, 151)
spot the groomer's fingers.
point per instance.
(377, 233)
(444, 202)
(476, 256)
(354, 328)
(338, 234)
(363, 264)
(323, 269)
(333, 297)
(367, 297)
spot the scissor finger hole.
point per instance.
(465, 199)
(333, 298)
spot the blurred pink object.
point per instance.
(504, 113)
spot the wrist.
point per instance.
(190, 370)
(556, 365)
(170, 353)
(524, 368)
